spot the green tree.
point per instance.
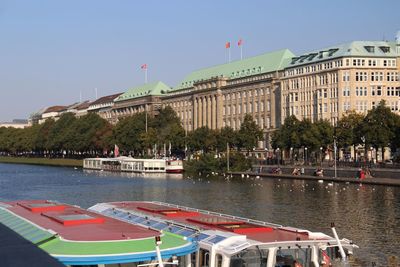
(288, 135)
(203, 139)
(249, 133)
(169, 128)
(89, 134)
(60, 134)
(128, 133)
(42, 135)
(379, 127)
(348, 130)
(226, 136)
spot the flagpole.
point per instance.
(241, 52)
(229, 55)
(145, 75)
(146, 116)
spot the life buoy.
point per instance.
(326, 260)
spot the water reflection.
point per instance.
(369, 215)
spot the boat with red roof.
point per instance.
(79, 237)
(231, 241)
(139, 233)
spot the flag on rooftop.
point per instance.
(240, 42)
(144, 67)
(228, 45)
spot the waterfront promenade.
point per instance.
(371, 181)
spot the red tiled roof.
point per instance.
(54, 109)
(105, 99)
(84, 105)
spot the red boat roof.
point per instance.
(211, 221)
(74, 223)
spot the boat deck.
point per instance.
(79, 237)
(87, 226)
(203, 220)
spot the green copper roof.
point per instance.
(352, 49)
(264, 63)
(154, 89)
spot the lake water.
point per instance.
(368, 215)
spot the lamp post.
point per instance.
(305, 149)
(320, 156)
(363, 140)
(291, 155)
(335, 151)
(372, 154)
(278, 155)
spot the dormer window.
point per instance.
(385, 49)
(332, 51)
(370, 49)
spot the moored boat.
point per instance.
(174, 166)
(78, 237)
(226, 240)
(129, 164)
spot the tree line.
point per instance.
(138, 135)
(379, 129)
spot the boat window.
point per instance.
(204, 258)
(218, 260)
(253, 257)
(293, 257)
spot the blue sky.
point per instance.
(53, 51)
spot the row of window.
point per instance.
(244, 94)
(359, 62)
(376, 76)
(247, 108)
(236, 123)
(372, 62)
(375, 91)
(363, 105)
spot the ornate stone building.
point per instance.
(144, 98)
(220, 96)
(326, 83)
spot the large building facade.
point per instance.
(220, 96)
(327, 83)
(322, 84)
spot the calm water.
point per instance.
(369, 215)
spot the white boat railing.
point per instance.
(220, 214)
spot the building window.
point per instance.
(379, 90)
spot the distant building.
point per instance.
(222, 95)
(53, 112)
(103, 106)
(16, 123)
(144, 98)
(325, 83)
(82, 109)
(321, 84)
